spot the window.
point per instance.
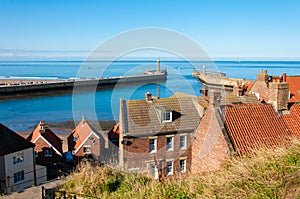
(18, 176)
(169, 168)
(152, 145)
(166, 116)
(182, 164)
(169, 144)
(18, 157)
(87, 149)
(36, 153)
(182, 142)
(48, 153)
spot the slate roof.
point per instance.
(294, 88)
(141, 118)
(253, 126)
(293, 120)
(48, 135)
(11, 142)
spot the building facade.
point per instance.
(156, 135)
(17, 165)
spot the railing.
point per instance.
(11, 187)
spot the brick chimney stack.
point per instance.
(148, 97)
(283, 77)
(279, 94)
(204, 91)
(262, 76)
(42, 126)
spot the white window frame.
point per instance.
(184, 170)
(185, 142)
(172, 167)
(87, 152)
(48, 153)
(18, 157)
(155, 145)
(163, 116)
(19, 176)
(172, 144)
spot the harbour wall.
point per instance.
(80, 84)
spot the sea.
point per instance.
(22, 114)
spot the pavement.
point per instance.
(34, 192)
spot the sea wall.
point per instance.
(60, 85)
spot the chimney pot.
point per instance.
(284, 77)
(148, 96)
(265, 72)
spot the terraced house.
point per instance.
(17, 165)
(156, 134)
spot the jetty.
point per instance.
(215, 80)
(10, 88)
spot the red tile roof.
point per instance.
(253, 126)
(293, 120)
(81, 132)
(294, 88)
(48, 135)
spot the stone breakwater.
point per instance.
(9, 87)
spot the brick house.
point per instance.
(272, 89)
(17, 165)
(239, 125)
(86, 141)
(156, 134)
(48, 146)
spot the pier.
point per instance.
(9, 87)
(214, 80)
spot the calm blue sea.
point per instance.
(22, 114)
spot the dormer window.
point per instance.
(167, 116)
(164, 114)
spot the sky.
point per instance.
(230, 29)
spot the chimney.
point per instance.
(83, 120)
(215, 98)
(262, 76)
(158, 65)
(42, 126)
(279, 95)
(240, 91)
(148, 97)
(204, 91)
(284, 77)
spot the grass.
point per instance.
(268, 174)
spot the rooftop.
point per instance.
(253, 126)
(141, 117)
(11, 142)
(43, 130)
(294, 88)
(293, 120)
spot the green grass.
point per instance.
(268, 174)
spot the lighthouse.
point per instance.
(158, 65)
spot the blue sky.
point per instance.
(225, 29)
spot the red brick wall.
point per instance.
(209, 148)
(41, 146)
(95, 147)
(137, 156)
